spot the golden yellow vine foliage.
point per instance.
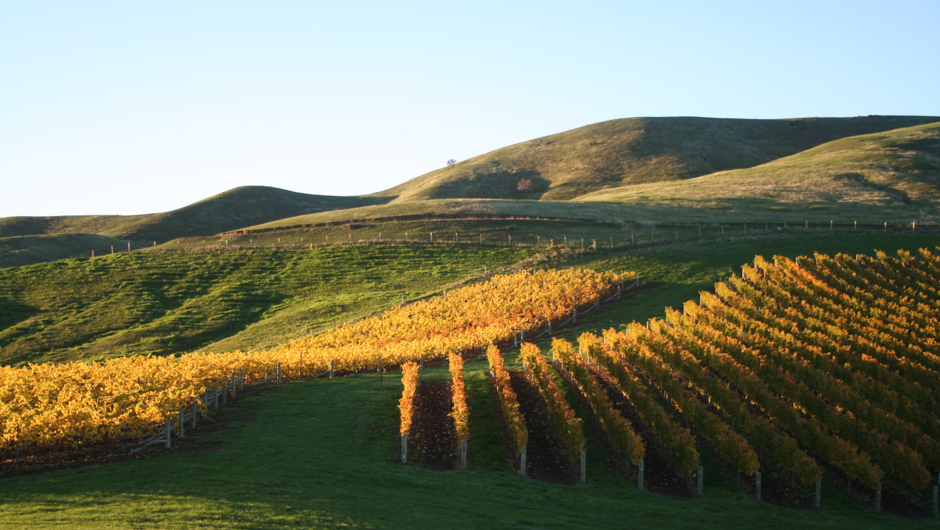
(406, 405)
(461, 412)
(80, 403)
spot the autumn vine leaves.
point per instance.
(46, 405)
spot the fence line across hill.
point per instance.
(640, 234)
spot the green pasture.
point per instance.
(174, 302)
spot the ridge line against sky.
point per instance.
(132, 107)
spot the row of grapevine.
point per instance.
(406, 405)
(880, 435)
(539, 374)
(618, 430)
(45, 405)
(509, 405)
(664, 359)
(828, 359)
(730, 446)
(461, 412)
(884, 342)
(811, 432)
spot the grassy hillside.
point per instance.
(892, 176)
(632, 151)
(27, 250)
(232, 209)
(164, 303)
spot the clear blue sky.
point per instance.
(135, 107)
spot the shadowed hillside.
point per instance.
(232, 209)
(171, 302)
(633, 151)
(889, 176)
(26, 250)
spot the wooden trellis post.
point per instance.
(639, 480)
(583, 467)
(522, 458)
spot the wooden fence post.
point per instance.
(224, 395)
(332, 366)
(241, 378)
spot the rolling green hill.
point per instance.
(633, 151)
(638, 170)
(232, 209)
(27, 250)
(892, 176)
(171, 302)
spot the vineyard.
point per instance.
(793, 373)
(47, 405)
(807, 370)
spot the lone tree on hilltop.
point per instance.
(451, 162)
(525, 185)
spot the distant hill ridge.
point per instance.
(886, 176)
(629, 151)
(599, 162)
(229, 210)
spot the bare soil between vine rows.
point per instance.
(433, 431)
(547, 457)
